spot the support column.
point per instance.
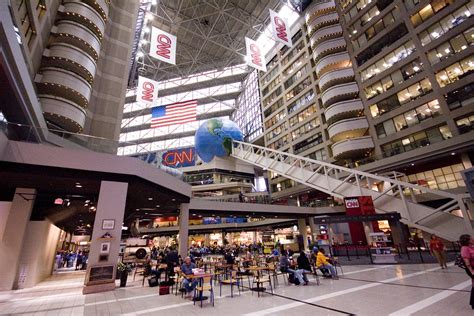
(104, 252)
(207, 240)
(12, 275)
(183, 230)
(303, 233)
(367, 230)
(314, 229)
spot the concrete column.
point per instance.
(254, 236)
(207, 240)
(303, 233)
(368, 229)
(11, 242)
(314, 229)
(111, 206)
(183, 230)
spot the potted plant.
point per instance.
(123, 269)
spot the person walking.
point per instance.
(437, 250)
(467, 254)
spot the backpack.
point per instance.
(292, 279)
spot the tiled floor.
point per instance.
(421, 289)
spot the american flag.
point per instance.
(174, 113)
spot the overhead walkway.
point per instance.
(448, 221)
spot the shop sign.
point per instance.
(351, 203)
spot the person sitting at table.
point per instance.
(229, 257)
(323, 262)
(288, 252)
(149, 271)
(187, 269)
(303, 267)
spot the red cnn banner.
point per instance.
(255, 57)
(147, 91)
(163, 46)
(280, 29)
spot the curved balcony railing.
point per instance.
(339, 93)
(322, 21)
(65, 84)
(86, 15)
(330, 62)
(71, 58)
(342, 110)
(317, 9)
(78, 35)
(63, 113)
(334, 77)
(348, 128)
(328, 47)
(101, 6)
(351, 146)
(325, 33)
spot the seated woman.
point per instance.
(303, 267)
(323, 262)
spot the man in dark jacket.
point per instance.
(172, 261)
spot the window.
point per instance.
(296, 90)
(275, 106)
(380, 25)
(388, 60)
(272, 97)
(463, 96)
(450, 21)
(306, 128)
(293, 53)
(307, 143)
(455, 45)
(300, 73)
(303, 115)
(455, 71)
(276, 119)
(417, 140)
(272, 85)
(428, 11)
(448, 177)
(301, 102)
(465, 125)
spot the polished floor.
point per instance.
(417, 289)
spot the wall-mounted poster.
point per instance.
(105, 247)
(108, 224)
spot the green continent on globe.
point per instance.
(227, 144)
(213, 124)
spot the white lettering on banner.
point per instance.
(163, 46)
(352, 203)
(147, 91)
(280, 28)
(255, 57)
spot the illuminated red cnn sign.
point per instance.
(179, 158)
(163, 48)
(280, 28)
(255, 54)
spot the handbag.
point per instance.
(152, 282)
(164, 290)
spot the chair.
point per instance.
(273, 272)
(205, 285)
(260, 280)
(177, 279)
(232, 280)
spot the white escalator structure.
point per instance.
(448, 221)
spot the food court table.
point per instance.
(259, 275)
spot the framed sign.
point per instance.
(105, 247)
(108, 224)
(100, 274)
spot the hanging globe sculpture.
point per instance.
(214, 138)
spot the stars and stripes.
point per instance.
(174, 113)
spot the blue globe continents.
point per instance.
(214, 138)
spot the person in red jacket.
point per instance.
(437, 250)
